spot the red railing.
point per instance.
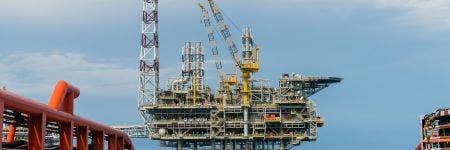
(60, 111)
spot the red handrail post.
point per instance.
(66, 135)
(12, 129)
(11, 133)
(82, 138)
(63, 97)
(36, 131)
(98, 139)
(59, 110)
(68, 103)
(129, 146)
(2, 108)
(58, 95)
(112, 142)
(120, 143)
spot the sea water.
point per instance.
(146, 144)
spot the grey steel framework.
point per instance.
(278, 118)
(134, 131)
(148, 59)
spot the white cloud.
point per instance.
(35, 73)
(432, 14)
(65, 12)
(104, 82)
(426, 13)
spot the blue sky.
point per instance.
(393, 54)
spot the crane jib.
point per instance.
(212, 42)
(225, 32)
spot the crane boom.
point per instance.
(250, 63)
(212, 42)
(226, 34)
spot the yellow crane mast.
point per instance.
(250, 63)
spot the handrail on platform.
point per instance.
(60, 110)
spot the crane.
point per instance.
(225, 79)
(225, 32)
(250, 63)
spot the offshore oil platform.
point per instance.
(244, 111)
(435, 129)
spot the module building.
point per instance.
(189, 114)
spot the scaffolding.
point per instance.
(261, 92)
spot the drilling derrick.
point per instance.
(148, 61)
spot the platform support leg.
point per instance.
(180, 145)
(213, 145)
(222, 144)
(273, 145)
(246, 145)
(263, 144)
(282, 147)
(233, 144)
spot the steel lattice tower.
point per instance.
(148, 59)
